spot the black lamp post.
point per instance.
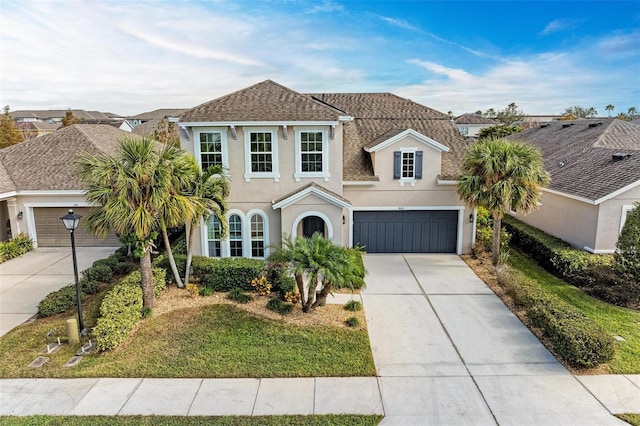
(71, 221)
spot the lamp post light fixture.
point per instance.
(71, 221)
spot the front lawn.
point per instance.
(205, 342)
(615, 320)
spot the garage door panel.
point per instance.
(51, 232)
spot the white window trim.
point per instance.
(299, 174)
(275, 173)
(205, 241)
(225, 243)
(623, 217)
(247, 226)
(403, 180)
(223, 140)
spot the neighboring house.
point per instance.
(33, 129)
(38, 184)
(371, 169)
(595, 179)
(469, 125)
(55, 116)
(157, 115)
(118, 124)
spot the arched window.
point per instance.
(235, 236)
(257, 236)
(213, 236)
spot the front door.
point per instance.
(312, 225)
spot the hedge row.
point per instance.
(121, 309)
(555, 255)
(15, 247)
(578, 340)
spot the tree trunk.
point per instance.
(300, 284)
(172, 261)
(311, 297)
(189, 236)
(322, 297)
(148, 296)
(495, 246)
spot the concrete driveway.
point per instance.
(26, 280)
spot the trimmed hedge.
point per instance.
(57, 301)
(555, 255)
(231, 272)
(578, 340)
(121, 309)
(162, 261)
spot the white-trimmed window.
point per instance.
(261, 159)
(211, 149)
(407, 165)
(235, 236)
(464, 130)
(257, 236)
(312, 154)
(214, 231)
(625, 212)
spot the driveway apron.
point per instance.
(449, 352)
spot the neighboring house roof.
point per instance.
(60, 113)
(39, 126)
(46, 162)
(267, 101)
(311, 189)
(590, 159)
(474, 119)
(159, 114)
(147, 128)
(379, 115)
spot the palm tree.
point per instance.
(592, 112)
(212, 186)
(632, 111)
(610, 108)
(499, 174)
(135, 192)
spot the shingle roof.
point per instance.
(159, 114)
(474, 119)
(46, 162)
(379, 115)
(316, 186)
(265, 101)
(59, 113)
(578, 155)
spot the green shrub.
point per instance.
(202, 267)
(100, 272)
(231, 272)
(352, 322)
(614, 287)
(15, 247)
(578, 340)
(277, 305)
(353, 305)
(239, 295)
(89, 286)
(627, 255)
(179, 246)
(120, 311)
(57, 301)
(162, 261)
(205, 291)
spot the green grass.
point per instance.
(207, 342)
(632, 419)
(337, 420)
(615, 320)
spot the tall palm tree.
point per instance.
(610, 108)
(212, 186)
(632, 111)
(499, 174)
(135, 192)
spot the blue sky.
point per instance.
(129, 57)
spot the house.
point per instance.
(371, 169)
(155, 116)
(595, 179)
(38, 184)
(469, 125)
(33, 129)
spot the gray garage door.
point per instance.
(51, 231)
(406, 231)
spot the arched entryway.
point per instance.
(312, 225)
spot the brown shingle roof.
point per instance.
(378, 114)
(60, 113)
(578, 155)
(474, 119)
(46, 163)
(266, 101)
(159, 114)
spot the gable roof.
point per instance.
(50, 114)
(159, 114)
(379, 114)
(474, 119)
(46, 162)
(267, 101)
(395, 135)
(311, 189)
(579, 156)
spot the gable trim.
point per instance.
(310, 191)
(409, 132)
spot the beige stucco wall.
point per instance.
(610, 219)
(311, 206)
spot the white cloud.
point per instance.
(398, 23)
(555, 26)
(327, 7)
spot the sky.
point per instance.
(129, 57)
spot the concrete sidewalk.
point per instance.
(447, 352)
(26, 280)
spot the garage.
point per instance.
(407, 231)
(51, 232)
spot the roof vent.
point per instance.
(545, 125)
(595, 124)
(561, 164)
(564, 126)
(617, 156)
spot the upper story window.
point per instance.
(261, 160)
(407, 165)
(312, 154)
(464, 130)
(211, 149)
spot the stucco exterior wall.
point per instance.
(292, 215)
(610, 219)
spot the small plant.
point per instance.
(100, 272)
(90, 286)
(146, 312)
(206, 291)
(239, 295)
(192, 289)
(353, 305)
(261, 285)
(352, 322)
(292, 296)
(277, 305)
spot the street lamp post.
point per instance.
(71, 221)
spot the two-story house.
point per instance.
(371, 169)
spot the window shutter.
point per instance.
(418, 165)
(397, 164)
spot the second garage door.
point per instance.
(423, 231)
(51, 232)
